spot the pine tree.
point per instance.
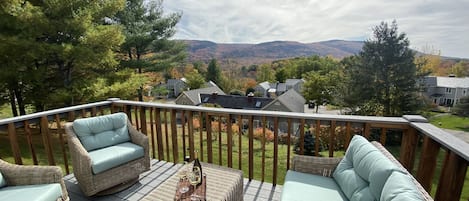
(147, 31)
(386, 77)
(213, 72)
(53, 49)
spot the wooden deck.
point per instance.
(160, 171)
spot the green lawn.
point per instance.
(451, 122)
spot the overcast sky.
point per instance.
(430, 25)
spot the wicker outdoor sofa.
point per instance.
(31, 182)
(381, 175)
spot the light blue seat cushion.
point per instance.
(113, 156)
(3, 182)
(400, 187)
(39, 192)
(102, 131)
(364, 170)
(300, 186)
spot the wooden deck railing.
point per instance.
(259, 142)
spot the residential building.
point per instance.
(192, 97)
(446, 90)
(266, 89)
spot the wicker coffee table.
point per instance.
(222, 184)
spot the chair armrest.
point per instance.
(138, 137)
(141, 139)
(322, 166)
(18, 175)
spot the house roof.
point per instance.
(292, 82)
(292, 100)
(280, 87)
(194, 95)
(236, 102)
(449, 82)
(265, 85)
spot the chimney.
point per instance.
(214, 95)
(250, 96)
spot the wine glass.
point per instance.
(182, 174)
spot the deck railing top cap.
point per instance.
(415, 118)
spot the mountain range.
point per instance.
(238, 54)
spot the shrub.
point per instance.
(269, 135)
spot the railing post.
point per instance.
(288, 143)
(229, 132)
(251, 147)
(152, 133)
(143, 120)
(317, 137)
(332, 139)
(452, 178)
(46, 139)
(15, 148)
(159, 134)
(274, 175)
(29, 138)
(348, 134)
(408, 146)
(190, 125)
(174, 135)
(427, 164)
(240, 133)
(302, 136)
(208, 130)
(62, 143)
(409, 142)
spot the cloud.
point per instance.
(438, 23)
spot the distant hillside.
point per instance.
(247, 54)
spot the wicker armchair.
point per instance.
(324, 166)
(111, 180)
(22, 175)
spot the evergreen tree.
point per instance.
(53, 50)
(386, 77)
(214, 72)
(147, 30)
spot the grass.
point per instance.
(451, 122)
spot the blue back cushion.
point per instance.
(3, 182)
(364, 170)
(102, 131)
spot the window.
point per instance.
(205, 99)
(258, 104)
(448, 90)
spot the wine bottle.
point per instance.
(197, 166)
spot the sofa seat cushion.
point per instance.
(364, 170)
(3, 182)
(400, 187)
(39, 192)
(300, 186)
(113, 156)
(102, 131)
